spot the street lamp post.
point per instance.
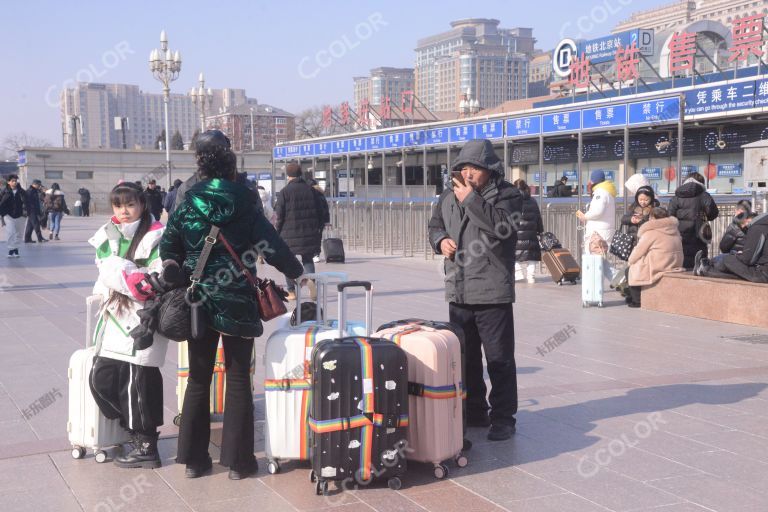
(202, 96)
(165, 66)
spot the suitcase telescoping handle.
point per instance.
(342, 287)
(322, 279)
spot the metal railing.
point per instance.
(400, 227)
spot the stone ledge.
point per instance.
(723, 300)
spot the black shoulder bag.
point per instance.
(181, 316)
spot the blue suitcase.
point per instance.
(592, 280)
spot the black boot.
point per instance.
(144, 454)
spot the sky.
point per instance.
(290, 54)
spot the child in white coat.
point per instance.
(126, 381)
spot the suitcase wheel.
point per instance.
(273, 467)
(321, 487)
(312, 476)
(101, 456)
(395, 484)
(177, 420)
(461, 461)
(78, 452)
(440, 471)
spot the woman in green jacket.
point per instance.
(228, 300)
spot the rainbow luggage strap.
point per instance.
(365, 421)
(303, 385)
(417, 389)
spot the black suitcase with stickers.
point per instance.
(359, 408)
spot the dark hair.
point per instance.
(698, 177)
(120, 195)
(659, 213)
(55, 186)
(522, 186)
(293, 170)
(646, 191)
(217, 163)
(744, 205)
(12, 177)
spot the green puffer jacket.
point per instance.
(231, 303)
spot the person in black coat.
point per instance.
(154, 199)
(561, 188)
(530, 226)
(13, 210)
(34, 212)
(692, 206)
(751, 264)
(302, 213)
(85, 201)
(640, 211)
(733, 239)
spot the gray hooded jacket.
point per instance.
(485, 231)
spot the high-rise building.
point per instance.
(540, 74)
(271, 126)
(682, 13)
(475, 54)
(383, 82)
(88, 113)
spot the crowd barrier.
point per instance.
(400, 227)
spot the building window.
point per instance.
(54, 175)
(280, 120)
(83, 175)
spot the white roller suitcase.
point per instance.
(87, 427)
(592, 280)
(287, 386)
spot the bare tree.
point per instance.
(16, 141)
(309, 124)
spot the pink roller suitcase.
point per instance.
(435, 393)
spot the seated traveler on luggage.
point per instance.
(228, 300)
(659, 249)
(125, 380)
(750, 264)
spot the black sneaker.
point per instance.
(238, 473)
(198, 470)
(500, 432)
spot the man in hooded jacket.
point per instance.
(693, 206)
(474, 227)
(750, 264)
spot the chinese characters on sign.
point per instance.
(627, 63)
(364, 116)
(41, 403)
(345, 113)
(556, 340)
(407, 99)
(682, 51)
(747, 33)
(327, 116)
(579, 76)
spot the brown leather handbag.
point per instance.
(270, 300)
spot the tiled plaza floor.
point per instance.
(636, 411)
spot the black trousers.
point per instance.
(33, 224)
(130, 392)
(86, 208)
(729, 266)
(195, 429)
(489, 328)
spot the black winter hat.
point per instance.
(480, 153)
(211, 141)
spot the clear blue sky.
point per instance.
(290, 54)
